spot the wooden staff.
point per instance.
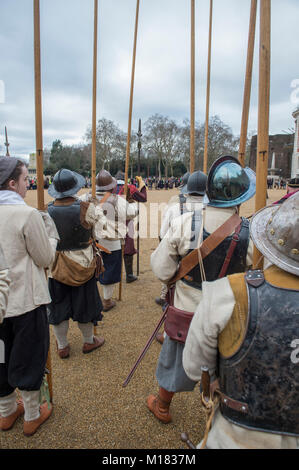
(94, 110)
(205, 157)
(94, 102)
(263, 113)
(39, 140)
(130, 124)
(248, 80)
(192, 97)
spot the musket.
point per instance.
(139, 149)
(185, 438)
(145, 349)
(6, 143)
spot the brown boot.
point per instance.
(97, 343)
(30, 427)
(7, 423)
(159, 405)
(108, 304)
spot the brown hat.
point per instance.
(104, 181)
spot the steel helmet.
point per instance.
(66, 183)
(274, 231)
(229, 184)
(183, 186)
(197, 183)
(104, 181)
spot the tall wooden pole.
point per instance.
(94, 101)
(205, 157)
(192, 94)
(38, 109)
(263, 113)
(130, 120)
(248, 80)
(39, 140)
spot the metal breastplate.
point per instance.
(73, 236)
(260, 382)
(214, 261)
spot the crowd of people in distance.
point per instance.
(229, 295)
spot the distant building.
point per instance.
(295, 156)
(32, 162)
(279, 157)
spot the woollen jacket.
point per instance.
(28, 251)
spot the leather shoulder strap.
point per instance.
(209, 244)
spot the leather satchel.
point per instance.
(177, 322)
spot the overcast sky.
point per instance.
(162, 74)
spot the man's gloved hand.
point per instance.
(140, 181)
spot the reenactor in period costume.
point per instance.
(245, 332)
(111, 233)
(228, 186)
(138, 195)
(179, 198)
(72, 278)
(190, 199)
(30, 239)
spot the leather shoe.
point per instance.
(131, 278)
(63, 353)
(97, 343)
(30, 427)
(108, 304)
(7, 423)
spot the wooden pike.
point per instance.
(130, 124)
(39, 140)
(248, 81)
(192, 91)
(205, 157)
(263, 114)
(94, 102)
(94, 109)
(139, 134)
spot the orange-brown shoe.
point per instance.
(30, 427)
(7, 423)
(97, 343)
(63, 353)
(159, 408)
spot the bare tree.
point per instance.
(162, 138)
(110, 142)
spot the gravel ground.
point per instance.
(91, 408)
